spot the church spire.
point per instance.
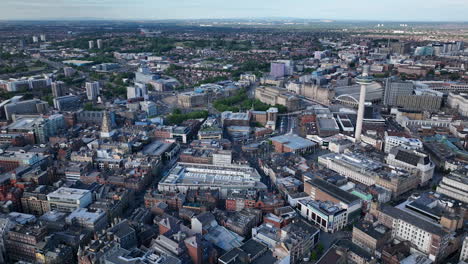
(106, 126)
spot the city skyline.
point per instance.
(398, 10)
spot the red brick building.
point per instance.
(266, 202)
(292, 143)
(175, 201)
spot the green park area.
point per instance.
(241, 102)
(177, 117)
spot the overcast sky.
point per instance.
(396, 10)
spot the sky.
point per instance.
(381, 10)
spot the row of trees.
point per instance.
(177, 117)
(232, 103)
(9, 56)
(257, 67)
(241, 102)
(116, 86)
(241, 45)
(90, 107)
(317, 252)
(21, 67)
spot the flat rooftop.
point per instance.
(78, 62)
(377, 231)
(409, 141)
(235, 116)
(354, 160)
(460, 175)
(334, 190)
(213, 175)
(69, 193)
(327, 208)
(413, 220)
(156, 148)
(294, 142)
(85, 215)
(327, 123)
(25, 123)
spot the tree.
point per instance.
(149, 87)
(177, 117)
(49, 99)
(39, 63)
(313, 255)
(95, 76)
(257, 124)
(281, 108)
(320, 249)
(454, 76)
(89, 107)
(172, 68)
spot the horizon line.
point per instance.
(322, 20)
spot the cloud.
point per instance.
(402, 10)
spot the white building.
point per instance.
(455, 185)
(68, 199)
(18, 85)
(407, 143)
(144, 75)
(149, 107)
(434, 121)
(93, 220)
(413, 161)
(58, 89)
(363, 169)
(92, 90)
(459, 101)
(424, 236)
(464, 250)
(190, 176)
(222, 157)
(356, 168)
(68, 71)
(267, 234)
(407, 231)
(138, 90)
(328, 216)
(339, 145)
(99, 43)
(248, 77)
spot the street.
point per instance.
(288, 124)
(328, 239)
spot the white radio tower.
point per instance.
(364, 80)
